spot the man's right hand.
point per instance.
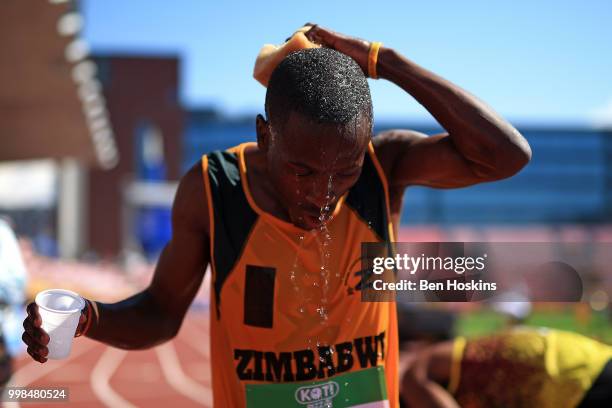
(34, 336)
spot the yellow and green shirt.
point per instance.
(536, 366)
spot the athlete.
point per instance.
(521, 367)
(281, 222)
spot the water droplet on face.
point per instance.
(293, 279)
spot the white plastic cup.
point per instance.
(60, 311)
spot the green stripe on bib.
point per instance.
(359, 389)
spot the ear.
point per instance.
(263, 133)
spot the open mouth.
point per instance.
(311, 218)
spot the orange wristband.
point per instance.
(88, 322)
(373, 59)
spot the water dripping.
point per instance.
(324, 240)
(292, 273)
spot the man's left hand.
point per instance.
(355, 48)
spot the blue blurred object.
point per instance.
(154, 230)
(153, 223)
(45, 244)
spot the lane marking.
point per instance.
(34, 371)
(175, 376)
(101, 375)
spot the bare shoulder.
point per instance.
(391, 144)
(190, 207)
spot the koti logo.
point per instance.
(317, 393)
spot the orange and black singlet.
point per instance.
(275, 341)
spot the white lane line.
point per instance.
(175, 376)
(199, 345)
(101, 375)
(34, 371)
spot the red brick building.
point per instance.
(137, 90)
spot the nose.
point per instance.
(321, 195)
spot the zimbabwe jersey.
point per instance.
(280, 334)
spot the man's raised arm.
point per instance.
(480, 145)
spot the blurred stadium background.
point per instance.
(92, 145)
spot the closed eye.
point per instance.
(349, 173)
(301, 171)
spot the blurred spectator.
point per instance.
(518, 367)
(12, 299)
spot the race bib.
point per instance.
(359, 389)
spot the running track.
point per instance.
(176, 373)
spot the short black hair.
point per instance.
(322, 84)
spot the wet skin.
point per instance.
(299, 170)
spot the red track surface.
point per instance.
(174, 374)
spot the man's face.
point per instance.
(312, 165)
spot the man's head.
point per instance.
(319, 124)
